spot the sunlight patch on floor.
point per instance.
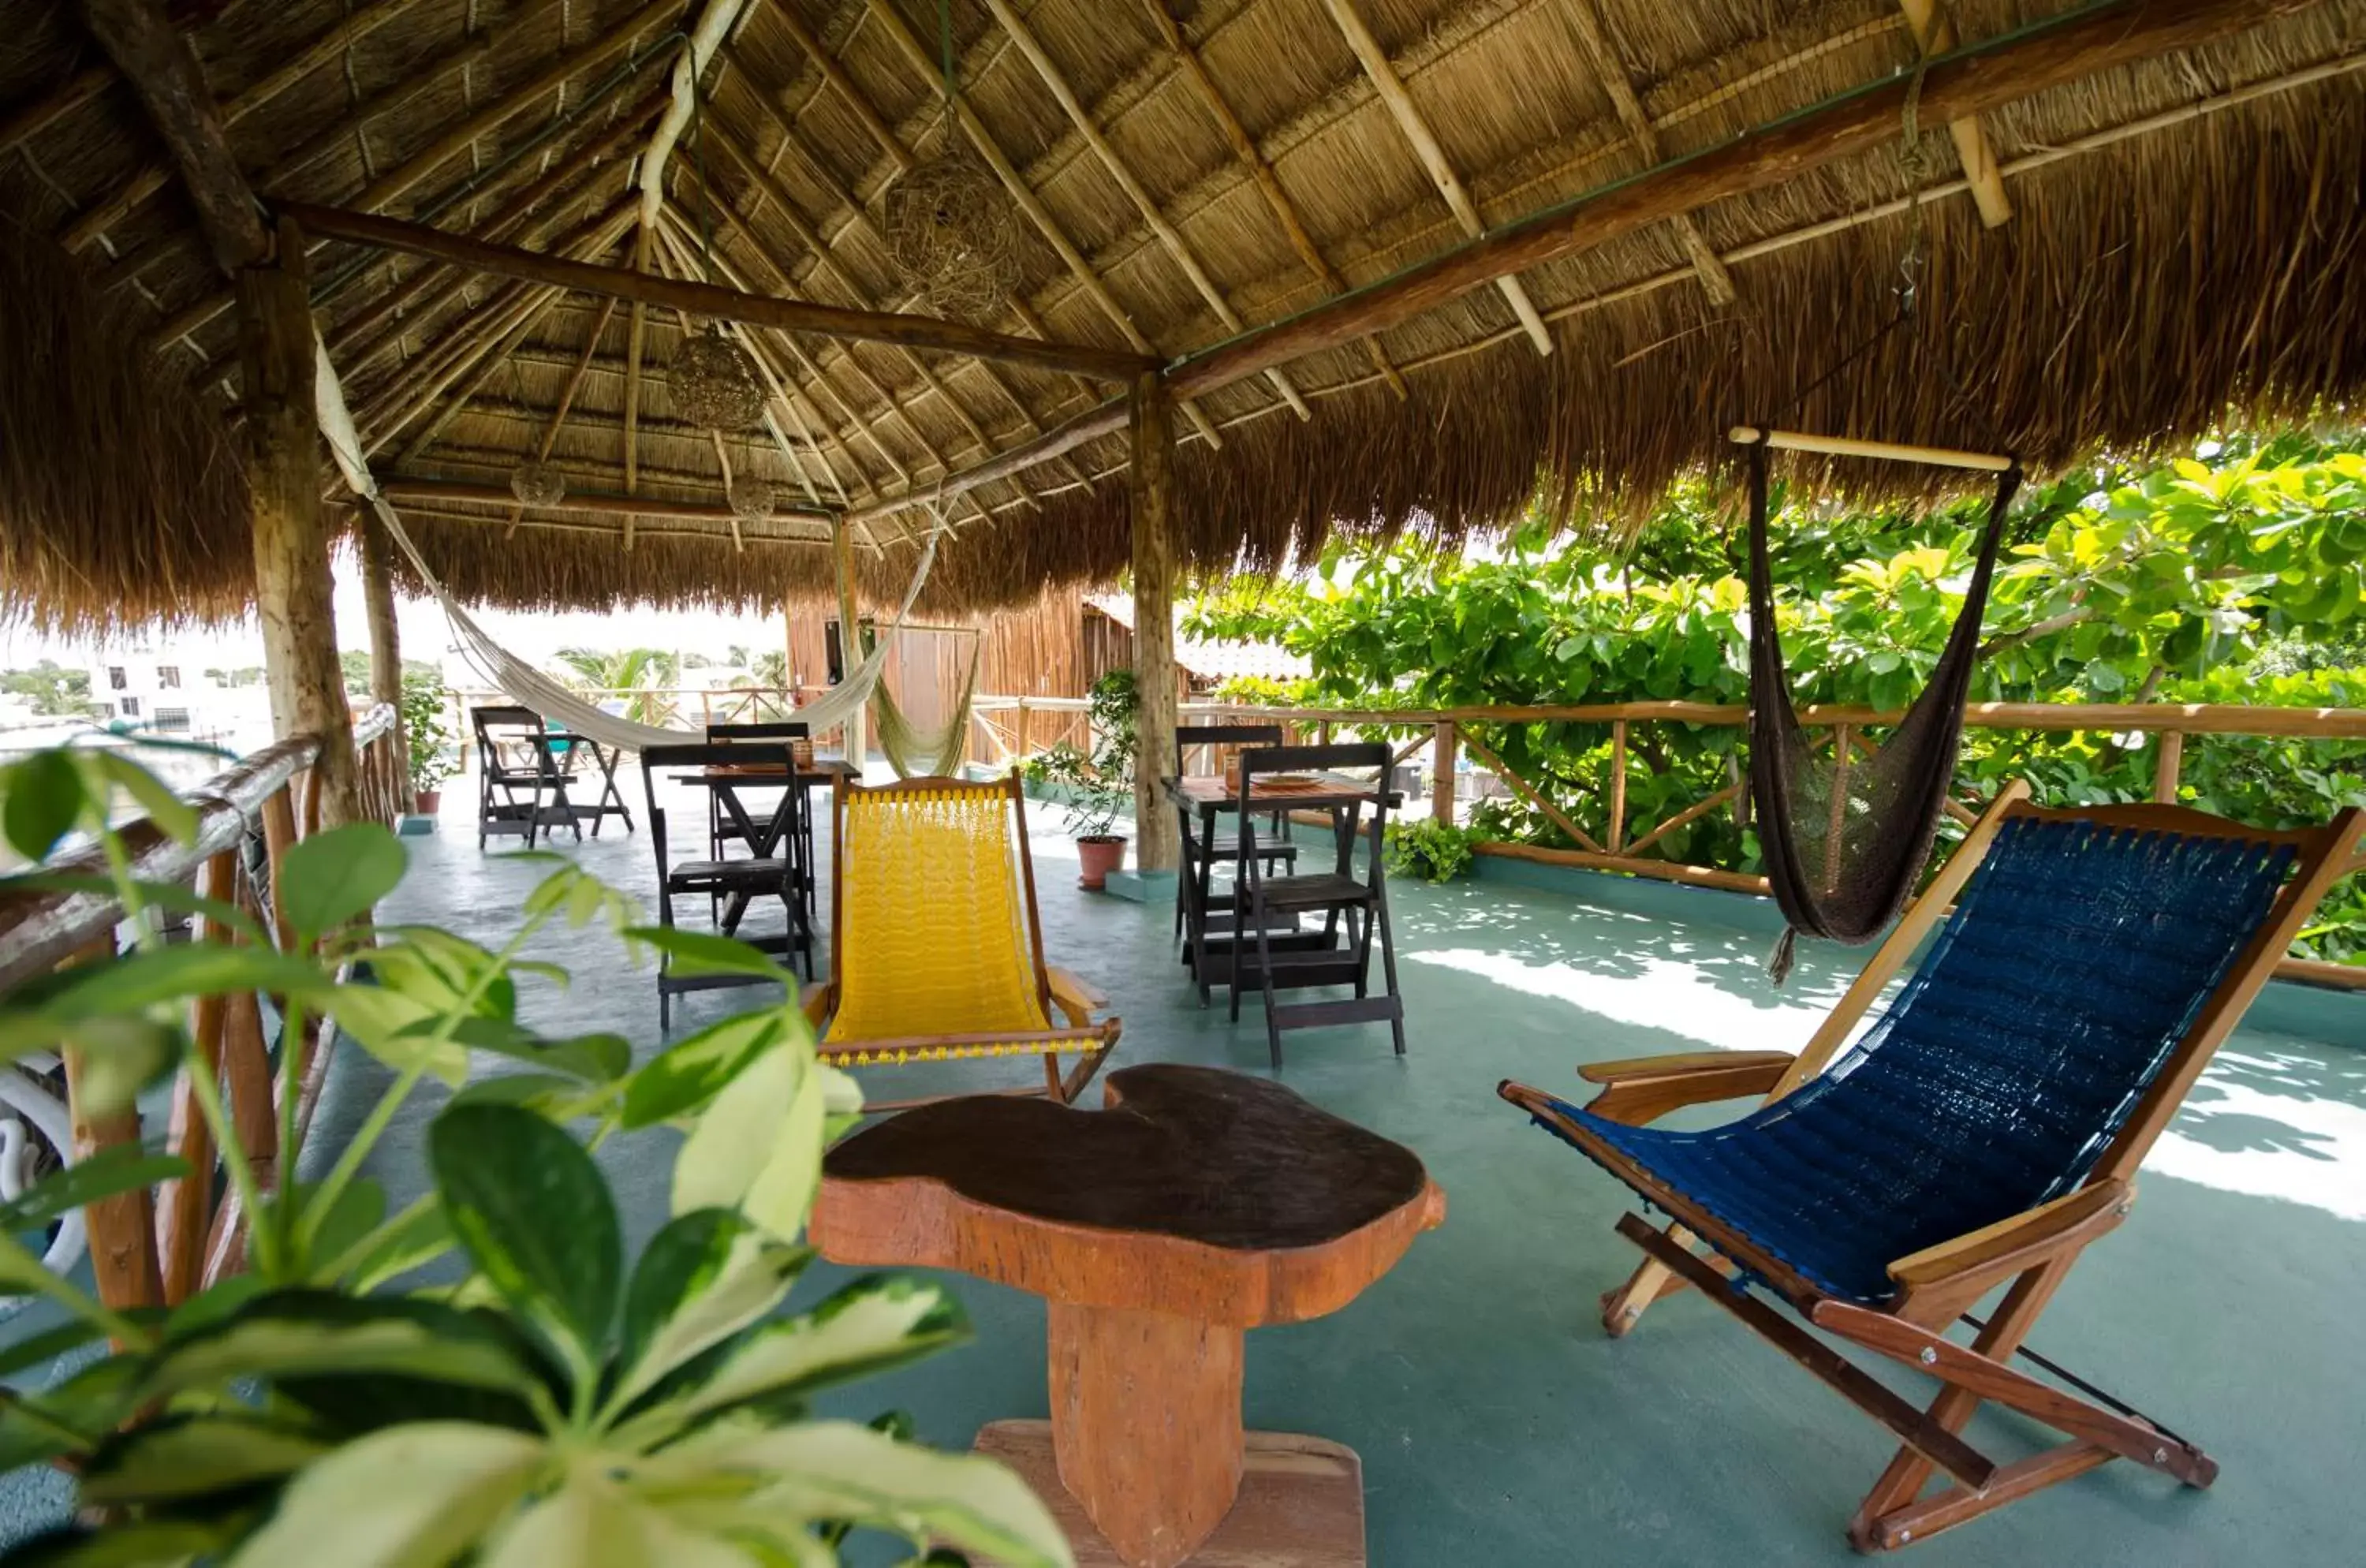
(2237, 1138)
(1659, 994)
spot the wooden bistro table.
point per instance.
(765, 838)
(1211, 946)
(1196, 1205)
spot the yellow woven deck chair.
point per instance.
(936, 952)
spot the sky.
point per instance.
(536, 638)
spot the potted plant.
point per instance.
(428, 739)
(1098, 785)
(552, 1396)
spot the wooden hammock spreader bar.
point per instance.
(707, 300)
(1885, 451)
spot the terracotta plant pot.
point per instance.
(1101, 856)
(429, 802)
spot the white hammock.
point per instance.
(506, 671)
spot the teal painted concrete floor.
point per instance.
(1497, 1423)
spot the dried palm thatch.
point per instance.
(2186, 244)
(108, 474)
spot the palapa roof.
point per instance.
(2186, 234)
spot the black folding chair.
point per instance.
(570, 746)
(1205, 849)
(1338, 895)
(721, 830)
(521, 788)
(734, 883)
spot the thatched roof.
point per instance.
(2186, 235)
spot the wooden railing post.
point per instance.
(1617, 837)
(1441, 780)
(1021, 732)
(123, 1228)
(2171, 756)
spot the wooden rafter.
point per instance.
(1585, 24)
(691, 263)
(792, 138)
(415, 487)
(488, 365)
(635, 345)
(325, 49)
(1417, 134)
(916, 58)
(709, 300)
(567, 396)
(1934, 25)
(1169, 237)
(1252, 158)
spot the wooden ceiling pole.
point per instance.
(146, 182)
(1400, 106)
(592, 503)
(1977, 78)
(816, 382)
(690, 261)
(1252, 158)
(788, 391)
(1150, 493)
(635, 344)
(892, 26)
(294, 597)
(769, 189)
(1934, 25)
(1592, 37)
(567, 400)
(1169, 237)
(710, 299)
(792, 138)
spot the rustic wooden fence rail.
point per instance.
(157, 1248)
(1017, 727)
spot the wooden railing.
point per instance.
(1607, 841)
(156, 1249)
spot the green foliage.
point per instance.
(1098, 784)
(639, 673)
(1430, 850)
(353, 664)
(1263, 691)
(2235, 576)
(567, 1401)
(51, 688)
(425, 736)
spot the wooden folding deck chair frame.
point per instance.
(936, 946)
(2031, 1249)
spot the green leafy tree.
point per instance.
(639, 673)
(51, 688)
(2227, 573)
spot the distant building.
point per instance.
(163, 688)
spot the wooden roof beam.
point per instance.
(1169, 237)
(707, 300)
(792, 137)
(1592, 37)
(567, 397)
(1268, 183)
(1934, 25)
(1400, 104)
(163, 73)
(419, 488)
(916, 58)
(1973, 80)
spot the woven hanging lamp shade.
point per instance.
(752, 499)
(715, 384)
(538, 484)
(953, 235)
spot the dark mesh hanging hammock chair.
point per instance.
(1845, 838)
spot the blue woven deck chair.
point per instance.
(1983, 1130)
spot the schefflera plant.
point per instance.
(562, 1403)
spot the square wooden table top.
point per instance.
(1221, 792)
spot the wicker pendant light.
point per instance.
(538, 484)
(752, 499)
(951, 228)
(715, 384)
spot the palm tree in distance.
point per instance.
(635, 674)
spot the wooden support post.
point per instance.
(1934, 33)
(292, 591)
(1022, 737)
(1441, 773)
(855, 743)
(1616, 838)
(1152, 492)
(385, 641)
(2166, 763)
